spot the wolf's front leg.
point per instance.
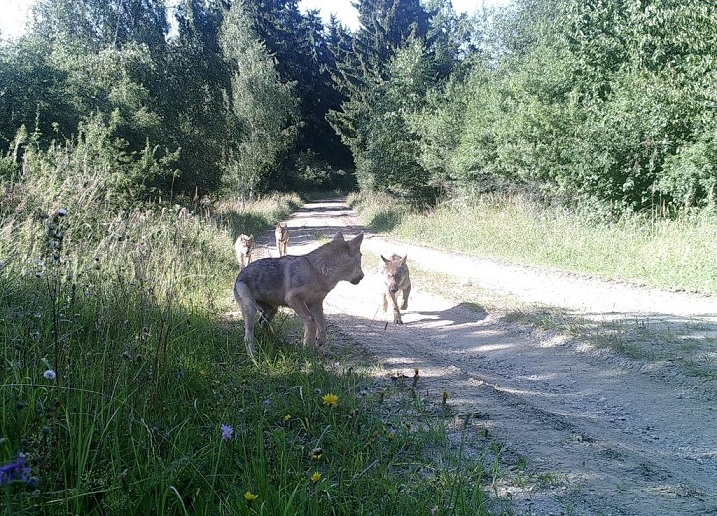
(317, 310)
(404, 294)
(396, 312)
(302, 310)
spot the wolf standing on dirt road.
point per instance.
(299, 282)
(397, 281)
(244, 247)
(281, 233)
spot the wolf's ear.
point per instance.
(385, 260)
(403, 260)
(356, 241)
(338, 237)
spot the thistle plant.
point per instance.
(50, 265)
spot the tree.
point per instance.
(297, 43)
(261, 108)
(191, 96)
(98, 24)
(375, 67)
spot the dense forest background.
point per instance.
(606, 105)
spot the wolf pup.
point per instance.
(244, 247)
(395, 276)
(299, 282)
(282, 238)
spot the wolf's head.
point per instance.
(394, 271)
(351, 267)
(245, 244)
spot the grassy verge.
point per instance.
(672, 346)
(671, 254)
(125, 390)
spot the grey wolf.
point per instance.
(397, 281)
(282, 238)
(299, 282)
(244, 246)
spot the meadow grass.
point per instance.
(125, 390)
(671, 254)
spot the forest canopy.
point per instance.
(606, 104)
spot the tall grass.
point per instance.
(671, 254)
(124, 388)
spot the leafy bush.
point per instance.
(690, 176)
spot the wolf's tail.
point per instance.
(244, 299)
(242, 294)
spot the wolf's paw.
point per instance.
(397, 319)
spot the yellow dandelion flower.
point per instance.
(316, 477)
(287, 417)
(250, 497)
(330, 399)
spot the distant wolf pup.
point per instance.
(299, 282)
(244, 247)
(395, 277)
(282, 238)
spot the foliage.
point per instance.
(191, 97)
(384, 77)
(96, 25)
(690, 175)
(31, 93)
(261, 107)
(608, 105)
(588, 103)
(94, 170)
(297, 42)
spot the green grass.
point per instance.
(131, 311)
(670, 254)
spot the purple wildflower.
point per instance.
(15, 471)
(227, 432)
(49, 374)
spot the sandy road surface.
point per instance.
(596, 433)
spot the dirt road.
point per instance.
(581, 429)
